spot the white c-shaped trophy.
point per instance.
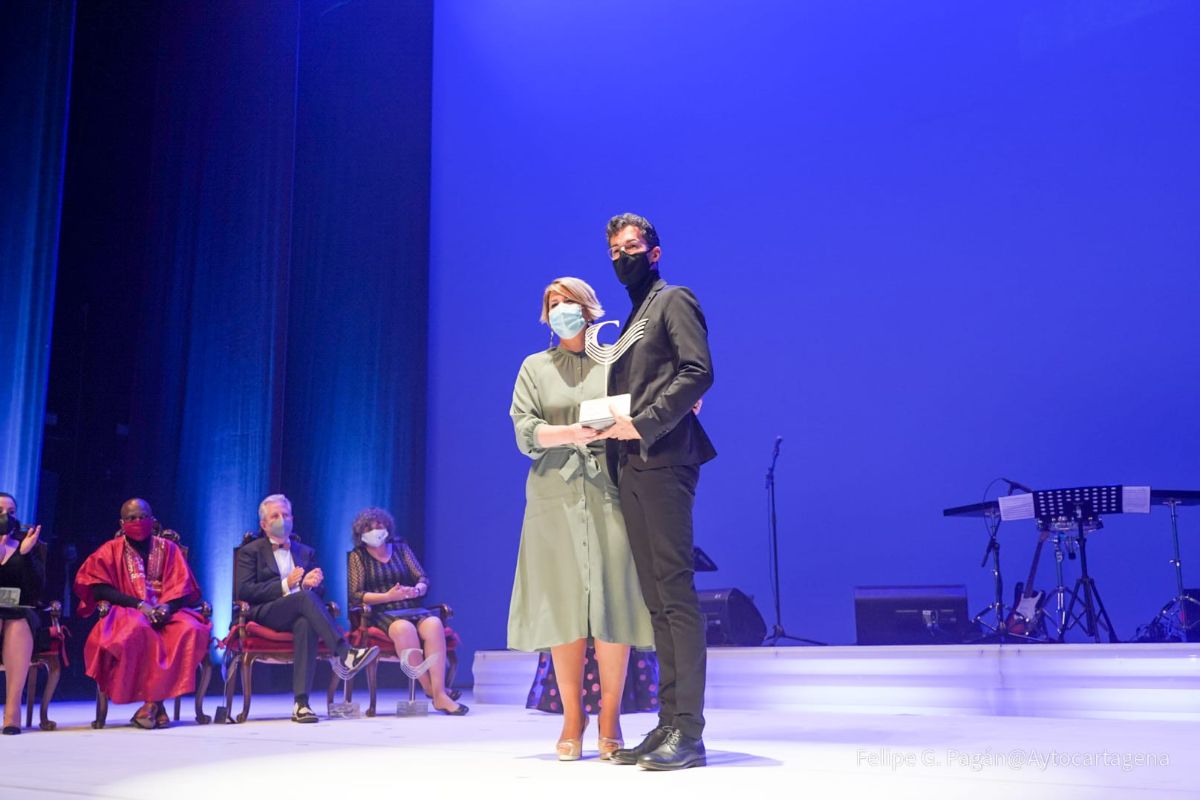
(597, 413)
(413, 707)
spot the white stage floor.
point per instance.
(505, 750)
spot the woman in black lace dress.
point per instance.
(386, 577)
(20, 568)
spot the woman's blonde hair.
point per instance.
(577, 291)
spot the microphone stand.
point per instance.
(777, 630)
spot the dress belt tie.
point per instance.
(577, 460)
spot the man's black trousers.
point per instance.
(657, 505)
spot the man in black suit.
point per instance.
(281, 581)
(655, 457)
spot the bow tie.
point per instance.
(284, 546)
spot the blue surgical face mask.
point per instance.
(566, 319)
(280, 528)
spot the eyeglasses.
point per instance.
(629, 248)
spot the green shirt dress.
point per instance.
(575, 575)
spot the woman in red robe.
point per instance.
(148, 645)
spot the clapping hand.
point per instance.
(295, 576)
(313, 578)
(31, 539)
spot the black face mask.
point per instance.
(632, 268)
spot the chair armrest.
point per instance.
(102, 609)
(444, 611)
(205, 609)
(358, 616)
(241, 611)
(334, 610)
(55, 612)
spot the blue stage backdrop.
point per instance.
(35, 68)
(288, 272)
(936, 244)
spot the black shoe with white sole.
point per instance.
(355, 659)
(303, 714)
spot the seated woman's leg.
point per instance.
(17, 652)
(433, 635)
(404, 637)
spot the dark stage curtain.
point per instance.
(285, 349)
(208, 397)
(35, 67)
(353, 425)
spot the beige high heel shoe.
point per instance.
(572, 749)
(609, 746)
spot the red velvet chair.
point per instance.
(249, 643)
(364, 635)
(49, 654)
(204, 671)
(52, 657)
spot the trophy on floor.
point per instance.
(597, 413)
(347, 709)
(344, 710)
(412, 707)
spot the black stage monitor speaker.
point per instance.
(911, 614)
(731, 618)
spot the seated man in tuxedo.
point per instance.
(281, 581)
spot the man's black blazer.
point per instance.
(666, 372)
(256, 577)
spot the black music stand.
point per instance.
(1181, 615)
(1079, 510)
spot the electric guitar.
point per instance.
(1027, 603)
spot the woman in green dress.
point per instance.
(575, 577)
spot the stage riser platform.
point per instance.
(1071, 681)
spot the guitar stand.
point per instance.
(1092, 616)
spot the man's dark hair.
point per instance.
(622, 221)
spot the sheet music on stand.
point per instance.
(1075, 513)
(1089, 501)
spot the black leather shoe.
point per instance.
(630, 755)
(676, 752)
(11, 730)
